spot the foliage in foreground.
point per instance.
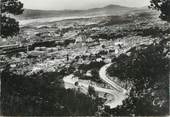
(163, 6)
(9, 26)
(43, 95)
(148, 68)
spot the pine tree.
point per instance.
(9, 26)
(163, 6)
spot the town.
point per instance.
(95, 58)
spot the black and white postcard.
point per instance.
(85, 57)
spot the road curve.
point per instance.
(103, 75)
(118, 92)
(117, 97)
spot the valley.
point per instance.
(80, 52)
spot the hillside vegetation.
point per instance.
(135, 43)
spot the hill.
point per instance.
(107, 10)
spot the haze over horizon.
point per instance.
(79, 4)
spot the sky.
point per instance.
(79, 4)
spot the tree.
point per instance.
(91, 91)
(9, 26)
(42, 94)
(163, 6)
(148, 68)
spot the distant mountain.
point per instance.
(33, 14)
(107, 10)
(117, 7)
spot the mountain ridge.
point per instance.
(106, 10)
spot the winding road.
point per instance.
(118, 93)
(103, 75)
